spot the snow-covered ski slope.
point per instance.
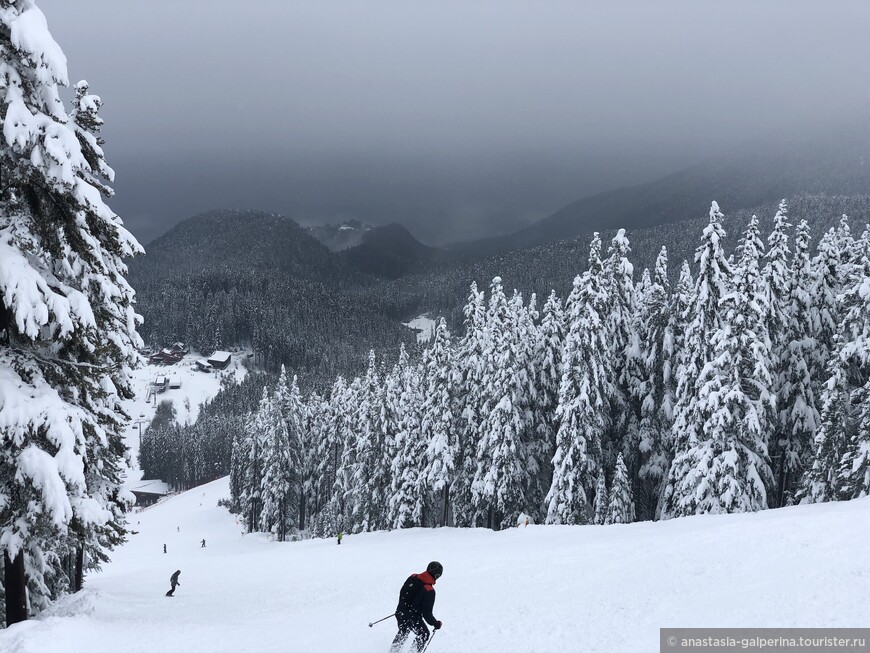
(196, 389)
(538, 588)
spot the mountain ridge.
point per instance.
(739, 181)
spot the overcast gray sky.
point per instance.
(457, 117)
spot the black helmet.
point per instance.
(436, 569)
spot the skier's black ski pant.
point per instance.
(410, 623)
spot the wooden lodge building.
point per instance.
(220, 360)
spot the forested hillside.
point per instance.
(390, 252)
(248, 278)
(552, 267)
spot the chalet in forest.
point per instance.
(150, 492)
(220, 360)
(202, 365)
(166, 357)
(179, 348)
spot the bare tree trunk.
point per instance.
(446, 507)
(252, 517)
(282, 521)
(79, 580)
(15, 587)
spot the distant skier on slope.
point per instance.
(416, 600)
(174, 580)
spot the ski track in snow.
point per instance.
(535, 589)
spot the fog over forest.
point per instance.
(458, 119)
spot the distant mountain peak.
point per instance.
(390, 251)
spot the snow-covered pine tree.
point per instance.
(238, 470)
(683, 303)
(537, 435)
(387, 427)
(407, 501)
(547, 377)
(777, 285)
(733, 461)
(600, 500)
(747, 315)
(370, 472)
(619, 319)
(280, 478)
(636, 379)
(291, 408)
(337, 432)
(301, 452)
(67, 325)
(620, 507)
(584, 394)
(437, 421)
(698, 382)
(827, 281)
(549, 365)
(317, 450)
(854, 474)
(820, 482)
(351, 493)
(855, 301)
(502, 467)
(847, 247)
(796, 404)
(254, 464)
(777, 280)
(656, 323)
(469, 372)
(335, 429)
(88, 123)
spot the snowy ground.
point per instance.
(423, 325)
(196, 388)
(536, 589)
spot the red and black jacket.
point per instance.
(417, 597)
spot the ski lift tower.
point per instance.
(140, 422)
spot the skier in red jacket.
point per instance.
(416, 600)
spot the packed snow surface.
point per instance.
(535, 588)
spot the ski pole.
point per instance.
(380, 620)
(429, 641)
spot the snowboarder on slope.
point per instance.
(416, 600)
(203, 544)
(174, 580)
(339, 538)
(164, 548)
